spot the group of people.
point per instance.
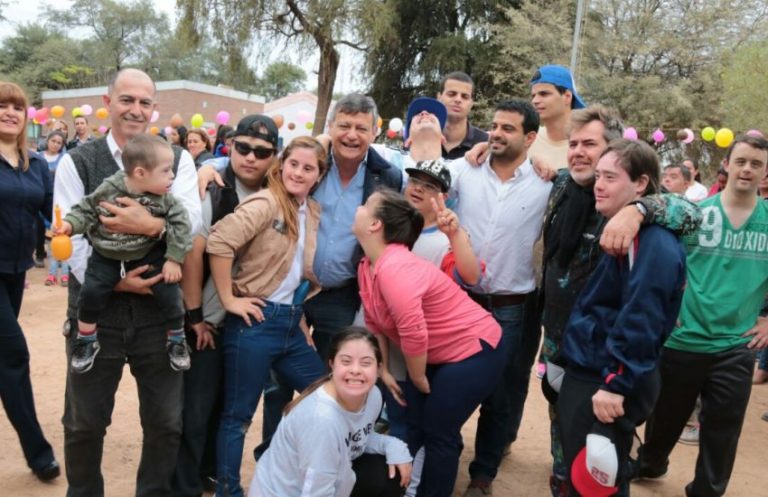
(336, 264)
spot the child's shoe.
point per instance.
(178, 353)
(83, 354)
(50, 280)
(64, 280)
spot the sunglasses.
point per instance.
(259, 152)
(424, 185)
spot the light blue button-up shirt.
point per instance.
(336, 244)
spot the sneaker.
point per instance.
(64, 281)
(48, 472)
(638, 471)
(764, 417)
(478, 488)
(50, 280)
(690, 435)
(83, 355)
(39, 262)
(178, 352)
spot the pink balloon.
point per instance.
(222, 117)
(31, 112)
(102, 129)
(168, 130)
(87, 109)
(756, 133)
(303, 116)
(689, 136)
(154, 118)
(630, 134)
(658, 135)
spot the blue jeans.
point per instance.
(496, 411)
(249, 353)
(762, 357)
(435, 419)
(396, 414)
(329, 312)
(56, 265)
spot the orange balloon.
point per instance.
(102, 113)
(291, 126)
(176, 121)
(154, 130)
(61, 245)
(57, 111)
(279, 120)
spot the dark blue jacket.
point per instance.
(24, 195)
(379, 172)
(622, 318)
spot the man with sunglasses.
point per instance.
(253, 151)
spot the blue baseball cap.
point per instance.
(559, 76)
(429, 104)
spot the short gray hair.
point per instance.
(356, 103)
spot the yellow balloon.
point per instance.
(708, 134)
(724, 137)
(379, 122)
(197, 120)
(154, 130)
(102, 113)
(57, 111)
(77, 111)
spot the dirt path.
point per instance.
(523, 474)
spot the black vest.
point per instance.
(94, 163)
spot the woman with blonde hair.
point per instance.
(273, 235)
(27, 192)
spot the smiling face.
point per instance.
(423, 126)
(196, 144)
(130, 103)
(746, 167)
(613, 186)
(300, 172)
(507, 139)
(351, 134)
(355, 370)
(12, 120)
(585, 145)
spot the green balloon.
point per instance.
(708, 134)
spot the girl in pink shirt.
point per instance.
(452, 346)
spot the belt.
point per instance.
(493, 300)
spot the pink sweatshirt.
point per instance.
(420, 309)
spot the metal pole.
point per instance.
(576, 36)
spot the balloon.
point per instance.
(279, 120)
(630, 134)
(103, 129)
(303, 116)
(708, 134)
(658, 135)
(102, 113)
(222, 117)
(756, 133)
(379, 122)
(309, 125)
(154, 130)
(42, 115)
(391, 134)
(176, 121)
(724, 137)
(291, 125)
(31, 112)
(689, 136)
(197, 120)
(61, 245)
(57, 111)
(77, 111)
(168, 130)
(87, 109)
(211, 131)
(155, 116)
(396, 124)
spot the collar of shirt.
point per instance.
(333, 165)
(117, 153)
(522, 170)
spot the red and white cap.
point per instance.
(594, 470)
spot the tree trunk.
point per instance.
(326, 79)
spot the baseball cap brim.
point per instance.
(429, 104)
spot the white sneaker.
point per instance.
(690, 435)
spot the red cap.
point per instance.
(587, 481)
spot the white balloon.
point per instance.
(396, 124)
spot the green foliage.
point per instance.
(745, 101)
(281, 79)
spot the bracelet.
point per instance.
(194, 316)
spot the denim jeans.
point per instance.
(496, 411)
(329, 312)
(90, 399)
(56, 265)
(15, 383)
(249, 353)
(435, 419)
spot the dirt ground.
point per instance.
(524, 473)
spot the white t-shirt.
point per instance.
(696, 192)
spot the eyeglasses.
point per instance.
(424, 185)
(259, 152)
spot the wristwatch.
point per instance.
(640, 208)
